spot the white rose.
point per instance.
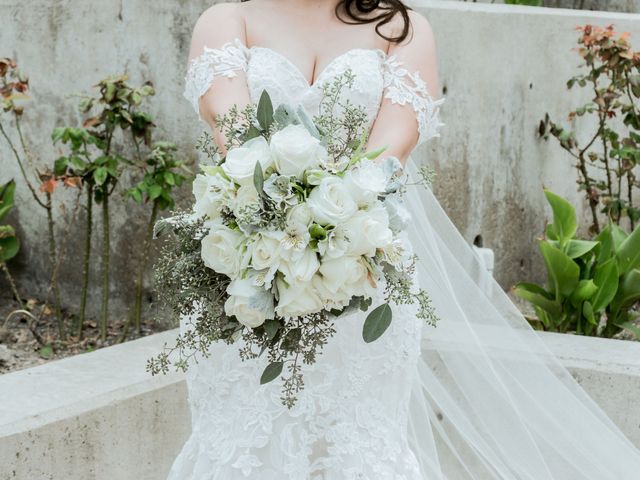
(251, 305)
(365, 182)
(297, 299)
(220, 250)
(368, 230)
(294, 150)
(330, 202)
(265, 250)
(302, 269)
(246, 196)
(343, 278)
(240, 162)
(211, 192)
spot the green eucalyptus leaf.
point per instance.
(272, 372)
(265, 111)
(376, 323)
(258, 179)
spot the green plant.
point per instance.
(94, 158)
(531, 3)
(9, 243)
(14, 86)
(592, 285)
(161, 177)
(607, 161)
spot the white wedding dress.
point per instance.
(476, 397)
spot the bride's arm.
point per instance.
(409, 111)
(216, 78)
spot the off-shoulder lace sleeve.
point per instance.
(404, 87)
(211, 63)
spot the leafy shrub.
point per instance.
(608, 160)
(591, 285)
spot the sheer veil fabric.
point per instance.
(488, 399)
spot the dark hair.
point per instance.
(358, 12)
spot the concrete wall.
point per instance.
(100, 416)
(502, 67)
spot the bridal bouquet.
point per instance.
(294, 226)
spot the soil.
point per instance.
(25, 342)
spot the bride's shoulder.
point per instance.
(221, 12)
(420, 31)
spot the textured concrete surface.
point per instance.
(501, 67)
(100, 416)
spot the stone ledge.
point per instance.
(101, 415)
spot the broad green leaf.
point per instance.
(565, 223)
(577, 248)
(539, 297)
(628, 290)
(629, 252)
(376, 323)
(272, 372)
(585, 290)
(587, 312)
(563, 272)
(9, 248)
(100, 175)
(7, 192)
(606, 278)
(265, 111)
(154, 191)
(633, 328)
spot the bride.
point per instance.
(478, 396)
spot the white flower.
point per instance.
(368, 230)
(343, 278)
(296, 232)
(211, 193)
(265, 250)
(399, 216)
(336, 243)
(298, 299)
(365, 182)
(330, 202)
(302, 269)
(246, 196)
(251, 305)
(220, 250)
(294, 150)
(240, 162)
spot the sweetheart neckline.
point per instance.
(379, 52)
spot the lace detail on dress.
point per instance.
(403, 87)
(212, 62)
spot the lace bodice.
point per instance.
(376, 75)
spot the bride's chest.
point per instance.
(356, 76)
